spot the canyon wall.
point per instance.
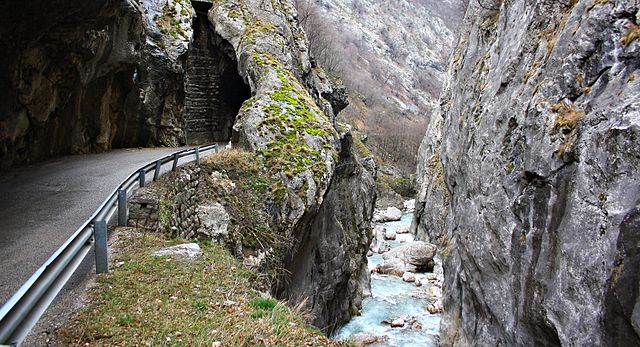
(80, 77)
(530, 178)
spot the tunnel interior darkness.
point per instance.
(214, 91)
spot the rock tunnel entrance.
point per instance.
(214, 91)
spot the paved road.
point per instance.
(42, 204)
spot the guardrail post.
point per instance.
(215, 148)
(141, 178)
(197, 155)
(175, 162)
(156, 173)
(122, 207)
(100, 236)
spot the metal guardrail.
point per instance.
(22, 311)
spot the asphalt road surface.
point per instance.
(42, 204)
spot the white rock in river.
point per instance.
(409, 277)
(378, 238)
(409, 205)
(388, 215)
(397, 323)
(417, 253)
(389, 235)
(403, 230)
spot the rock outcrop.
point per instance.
(388, 215)
(414, 257)
(530, 177)
(299, 200)
(81, 77)
(289, 121)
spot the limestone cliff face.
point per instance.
(79, 77)
(530, 175)
(326, 193)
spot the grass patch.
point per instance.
(363, 150)
(247, 201)
(263, 304)
(160, 301)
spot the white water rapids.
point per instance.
(392, 298)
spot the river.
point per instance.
(392, 298)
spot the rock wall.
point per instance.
(214, 91)
(290, 122)
(530, 175)
(79, 77)
(328, 264)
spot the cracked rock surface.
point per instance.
(529, 176)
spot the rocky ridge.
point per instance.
(304, 218)
(529, 175)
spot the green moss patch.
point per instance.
(293, 118)
(169, 22)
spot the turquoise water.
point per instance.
(392, 298)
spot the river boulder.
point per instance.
(419, 254)
(390, 234)
(389, 215)
(413, 257)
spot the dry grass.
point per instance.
(550, 36)
(247, 204)
(631, 35)
(597, 3)
(160, 301)
(568, 116)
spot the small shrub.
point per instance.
(568, 116)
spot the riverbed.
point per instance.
(392, 298)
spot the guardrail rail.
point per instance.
(22, 311)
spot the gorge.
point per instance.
(527, 177)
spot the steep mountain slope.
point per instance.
(401, 47)
(530, 175)
(392, 57)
